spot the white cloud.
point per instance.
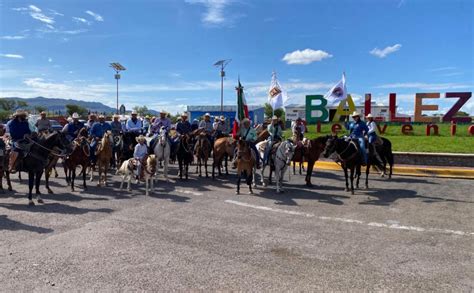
(424, 86)
(50, 59)
(13, 56)
(12, 38)
(386, 51)
(81, 20)
(34, 8)
(96, 16)
(54, 12)
(448, 68)
(36, 13)
(215, 13)
(306, 56)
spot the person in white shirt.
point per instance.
(372, 133)
(141, 151)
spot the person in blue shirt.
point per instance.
(134, 124)
(97, 131)
(18, 127)
(72, 128)
(357, 130)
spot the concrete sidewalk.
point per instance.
(410, 170)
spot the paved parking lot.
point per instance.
(407, 233)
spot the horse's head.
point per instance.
(330, 145)
(108, 138)
(243, 148)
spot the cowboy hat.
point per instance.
(140, 138)
(274, 118)
(101, 116)
(163, 112)
(245, 120)
(116, 116)
(207, 115)
(355, 113)
(20, 112)
(43, 113)
(134, 113)
(184, 114)
(222, 118)
(75, 116)
(370, 116)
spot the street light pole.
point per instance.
(117, 67)
(222, 64)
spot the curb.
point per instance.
(419, 171)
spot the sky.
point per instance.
(62, 49)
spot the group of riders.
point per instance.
(20, 132)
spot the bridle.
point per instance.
(51, 151)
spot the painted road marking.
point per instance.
(390, 225)
(185, 191)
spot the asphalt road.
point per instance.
(405, 234)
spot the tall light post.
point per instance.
(222, 64)
(117, 67)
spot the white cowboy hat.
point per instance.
(355, 113)
(19, 112)
(116, 116)
(184, 114)
(101, 117)
(222, 118)
(140, 138)
(207, 115)
(75, 116)
(134, 113)
(274, 118)
(163, 112)
(43, 113)
(370, 116)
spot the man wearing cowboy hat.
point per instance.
(275, 131)
(357, 130)
(298, 129)
(146, 123)
(72, 128)
(97, 132)
(247, 133)
(221, 127)
(134, 124)
(116, 126)
(163, 121)
(372, 133)
(43, 124)
(183, 127)
(91, 121)
(18, 127)
(206, 123)
(140, 152)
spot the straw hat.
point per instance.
(75, 116)
(20, 112)
(207, 115)
(245, 120)
(370, 116)
(134, 113)
(222, 118)
(355, 113)
(116, 116)
(140, 138)
(43, 113)
(101, 116)
(184, 114)
(163, 112)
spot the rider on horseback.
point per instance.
(134, 124)
(43, 124)
(248, 134)
(156, 126)
(72, 128)
(275, 131)
(183, 127)
(298, 129)
(140, 152)
(97, 132)
(18, 127)
(357, 130)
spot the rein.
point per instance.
(345, 150)
(52, 152)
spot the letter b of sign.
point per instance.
(316, 111)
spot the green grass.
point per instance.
(418, 142)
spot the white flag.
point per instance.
(277, 97)
(338, 92)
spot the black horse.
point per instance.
(126, 148)
(36, 160)
(385, 154)
(184, 154)
(349, 155)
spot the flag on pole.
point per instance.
(338, 92)
(276, 95)
(242, 110)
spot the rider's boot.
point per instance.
(12, 164)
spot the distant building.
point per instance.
(256, 113)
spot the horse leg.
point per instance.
(56, 175)
(270, 182)
(38, 181)
(239, 174)
(262, 177)
(9, 183)
(352, 180)
(180, 165)
(199, 166)
(346, 176)
(367, 171)
(73, 178)
(254, 178)
(31, 182)
(146, 187)
(46, 179)
(205, 168)
(186, 165)
(309, 172)
(357, 174)
(277, 180)
(250, 181)
(129, 187)
(226, 158)
(165, 169)
(152, 184)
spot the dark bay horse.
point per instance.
(245, 164)
(79, 156)
(384, 150)
(4, 154)
(36, 160)
(313, 150)
(202, 151)
(184, 154)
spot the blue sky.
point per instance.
(62, 49)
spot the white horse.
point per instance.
(162, 151)
(280, 160)
(127, 171)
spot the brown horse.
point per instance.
(223, 150)
(4, 158)
(245, 164)
(104, 155)
(299, 152)
(262, 136)
(78, 157)
(202, 151)
(313, 150)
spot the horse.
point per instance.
(223, 150)
(36, 160)
(148, 169)
(279, 161)
(4, 155)
(162, 150)
(104, 155)
(313, 150)
(350, 157)
(384, 150)
(202, 151)
(262, 136)
(126, 147)
(299, 152)
(184, 154)
(79, 156)
(245, 164)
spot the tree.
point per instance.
(21, 104)
(280, 113)
(40, 109)
(7, 104)
(72, 108)
(462, 114)
(141, 110)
